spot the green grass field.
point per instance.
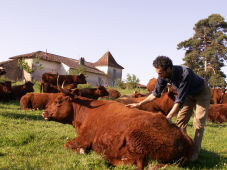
(29, 142)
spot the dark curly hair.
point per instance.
(163, 62)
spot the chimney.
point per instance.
(82, 61)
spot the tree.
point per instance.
(206, 51)
(119, 84)
(23, 65)
(131, 81)
(77, 71)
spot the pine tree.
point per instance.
(206, 51)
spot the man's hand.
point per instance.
(133, 105)
(169, 120)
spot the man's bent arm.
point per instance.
(148, 99)
(174, 110)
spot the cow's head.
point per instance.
(81, 79)
(102, 91)
(61, 109)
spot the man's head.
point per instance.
(163, 66)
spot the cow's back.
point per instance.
(37, 100)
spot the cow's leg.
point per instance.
(140, 164)
(79, 145)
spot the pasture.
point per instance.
(29, 142)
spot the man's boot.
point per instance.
(197, 142)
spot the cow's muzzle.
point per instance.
(44, 115)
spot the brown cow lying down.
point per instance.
(19, 90)
(50, 88)
(113, 94)
(5, 91)
(136, 94)
(120, 134)
(218, 113)
(37, 100)
(163, 104)
(93, 93)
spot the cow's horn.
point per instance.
(62, 86)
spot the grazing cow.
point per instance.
(5, 91)
(35, 101)
(120, 134)
(2, 71)
(218, 113)
(55, 79)
(163, 104)
(217, 95)
(93, 93)
(19, 90)
(151, 84)
(113, 94)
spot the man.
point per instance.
(192, 93)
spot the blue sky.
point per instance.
(134, 31)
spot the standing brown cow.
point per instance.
(120, 134)
(55, 79)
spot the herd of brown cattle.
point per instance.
(120, 134)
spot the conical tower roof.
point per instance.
(108, 60)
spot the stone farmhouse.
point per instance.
(103, 72)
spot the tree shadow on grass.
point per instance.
(22, 116)
(207, 160)
(2, 154)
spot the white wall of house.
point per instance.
(51, 67)
(112, 72)
(96, 79)
(64, 68)
(103, 69)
